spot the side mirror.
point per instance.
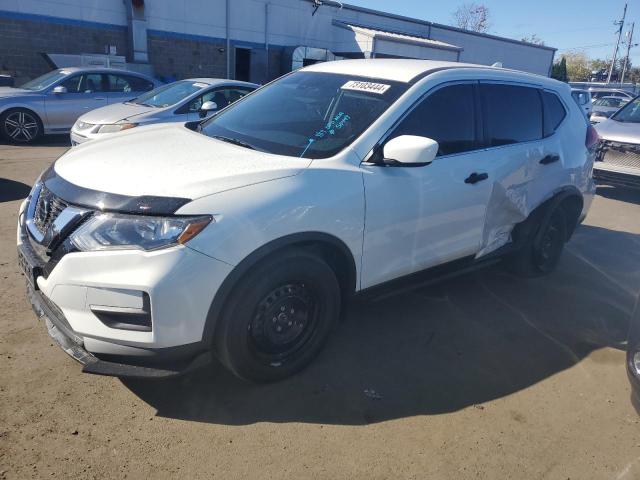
(207, 107)
(58, 89)
(410, 150)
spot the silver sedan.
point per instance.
(52, 102)
(181, 101)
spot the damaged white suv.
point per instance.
(150, 251)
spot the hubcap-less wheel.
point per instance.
(21, 126)
(284, 321)
(549, 246)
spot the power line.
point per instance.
(615, 50)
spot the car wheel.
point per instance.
(20, 126)
(541, 252)
(279, 317)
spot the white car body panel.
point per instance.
(199, 165)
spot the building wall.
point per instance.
(185, 37)
(23, 40)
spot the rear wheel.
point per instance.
(20, 126)
(541, 252)
(278, 317)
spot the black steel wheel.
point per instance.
(278, 317)
(549, 243)
(542, 251)
(20, 126)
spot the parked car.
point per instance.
(181, 101)
(243, 238)
(583, 99)
(618, 158)
(633, 356)
(604, 107)
(52, 102)
(597, 93)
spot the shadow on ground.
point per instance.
(437, 349)
(11, 190)
(58, 140)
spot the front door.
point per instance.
(418, 217)
(85, 92)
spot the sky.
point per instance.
(585, 25)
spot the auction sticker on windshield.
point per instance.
(372, 87)
(200, 85)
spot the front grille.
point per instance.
(48, 207)
(620, 154)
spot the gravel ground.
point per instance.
(485, 376)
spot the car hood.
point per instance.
(116, 112)
(619, 131)
(14, 92)
(169, 160)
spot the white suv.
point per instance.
(151, 250)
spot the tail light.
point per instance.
(592, 138)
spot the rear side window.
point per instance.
(512, 114)
(554, 112)
(447, 116)
(128, 83)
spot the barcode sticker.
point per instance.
(371, 87)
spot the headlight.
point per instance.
(115, 127)
(114, 231)
(83, 125)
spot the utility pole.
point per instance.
(629, 44)
(615, 51)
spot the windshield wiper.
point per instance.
(234, 141)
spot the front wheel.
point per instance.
(279, 317)
(541, 252)
(20, 126)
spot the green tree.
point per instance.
(578, 67)
(559, 70)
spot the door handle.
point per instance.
(549, 159)
(99, 98)
(476, 177)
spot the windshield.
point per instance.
(168, 95)
(44, 81)
(630, 113)
(305, 114)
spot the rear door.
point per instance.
(124, 87)
(85, 92)
(513, 133)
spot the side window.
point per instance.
(554, 112)
(92, 82)
(72, 84)
(512, 114)
(446, 116)
(221, 97)
(119, 83)
(137, 84)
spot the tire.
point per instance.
(278, 317)
(20, 126)
(541, 252)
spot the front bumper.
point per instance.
(68, 292)
(77, 138)
(616, 176)
(61, 332)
